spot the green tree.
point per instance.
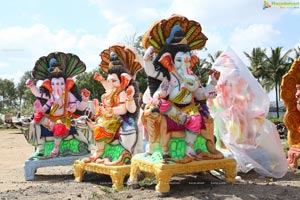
(277, 65)
(8, 95)
(213, 58)
(202, 68)
(257, 62)
(25, 97)
(297, 53)
(141, 77)
(86, 80)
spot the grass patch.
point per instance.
(105, 193)
(147, 181)
(95, 195)
(274, 119)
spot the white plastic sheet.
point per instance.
(239, 113)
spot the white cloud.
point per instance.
(243, 39)
(90, 43)
(120, 33)
(297, 44)
(3, 65)
(241, 24)
(20, 47)
(119, 11)
(91, 60)
(255, 35)
(296, 11)
(146, 14)
(215, 42)
(26, 44)
(141, 13)
(36, 39)
(112, 18)
(215, 14)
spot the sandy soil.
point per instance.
(58, 182)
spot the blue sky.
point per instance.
(34, 28)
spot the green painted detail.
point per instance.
(161, 35)
(41, 74)
(76, 70)
(58, 58)
(177, 23)
(177, 148)
(200, 143)
(113, 151)
(44, 65)
(157, 148)
(71, 146)
(154, 44)
(156, 157)
(196, 42)
(190, 31)
(70, 63)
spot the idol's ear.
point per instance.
(69, 84)
(47, 84)
(125, 79)
(166, 61)
(194, 60)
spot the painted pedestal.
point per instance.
(69, 151)
(117, 173)
(164, 172)
(30, 166)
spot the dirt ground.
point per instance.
(58, 182)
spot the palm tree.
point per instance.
(202, 68)
(277, 65)
(213, 58)
(297, 52)
(257, 61)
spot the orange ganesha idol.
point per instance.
(115, 118)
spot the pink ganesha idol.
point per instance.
(58, 103)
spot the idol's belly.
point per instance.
(180, 96)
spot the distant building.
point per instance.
(272, 109)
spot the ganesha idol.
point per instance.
(114, 125)
(58, 103)
(175, 91)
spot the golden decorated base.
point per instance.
(164, 172)
(117, 173)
